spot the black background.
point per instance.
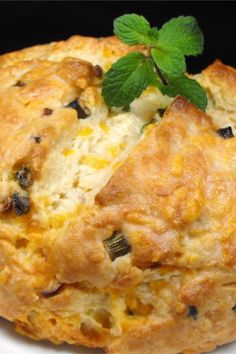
(24, 23)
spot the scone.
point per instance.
(117, 229)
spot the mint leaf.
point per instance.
(134, 29)
(170, 61)
(127, 79)
(182, 33)
(188, 88)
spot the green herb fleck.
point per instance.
(116, 245)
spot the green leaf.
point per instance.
(170, 61)
(127, 79)
(188, 88)
(134, 29)
(182, 33)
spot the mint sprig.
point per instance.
(131, 74)
(165, 67)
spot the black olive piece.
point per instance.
(54, 292)
(192, 312)
(155, 265)
(98, 71)
(234, 308)
(82, 113)
(20, 203)
(161, 111)
(37, 139)
(47, 111)
(226, 133)
(130, 312)
(24, 177)
(116, 245)
(20, 83)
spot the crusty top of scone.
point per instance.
(161, 198)
(102, 51)
(70, 180)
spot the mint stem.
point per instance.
(159, 73)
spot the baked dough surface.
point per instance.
(67, 184)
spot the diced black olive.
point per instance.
(226, 133)
(129, 312)
(47, 111)
(20, 203)
(20, 83)
(37, 139)
(116, 245)
(155, 265)
(161, 111)
(53, 292)
(192, 312)
(24, 177)
(98, 71)
(81, 112)
(234, 308)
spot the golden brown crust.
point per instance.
(167, 186)
(172, 199)
(221, 75)
(219, 81)
(103, 50)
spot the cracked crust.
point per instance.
(171, 196)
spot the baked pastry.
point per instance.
(117, 229)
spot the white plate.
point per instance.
(13, 343)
